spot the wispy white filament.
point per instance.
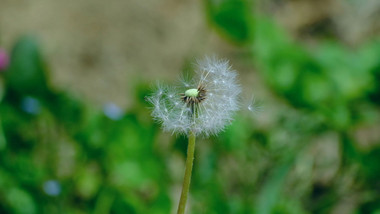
(213, 113)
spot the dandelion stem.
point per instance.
(187, 178)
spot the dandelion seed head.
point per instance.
(203, 105)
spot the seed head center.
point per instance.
(191, 92)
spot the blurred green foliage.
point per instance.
(64, 156)
(60, 154)
(232, 18)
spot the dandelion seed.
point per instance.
(254, 106)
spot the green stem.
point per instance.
(187, 178)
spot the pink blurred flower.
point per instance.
(4, 59)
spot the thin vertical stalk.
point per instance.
(187, 178)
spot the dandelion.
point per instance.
(202, 106)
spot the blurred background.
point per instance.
(76, 135)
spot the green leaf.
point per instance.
(20, 201)
(27, 72)
(270, 193)
(233, 18)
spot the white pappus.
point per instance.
(203, 105)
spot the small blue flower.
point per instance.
(113, 111)
(31, 105)
(52, 187)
